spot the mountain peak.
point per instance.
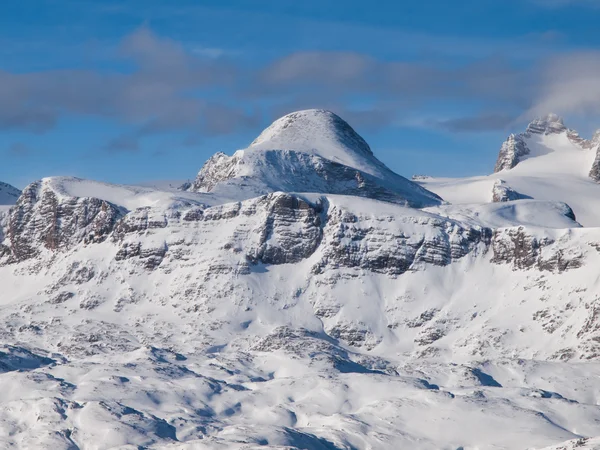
(315, 131)
(550, 124)
(308, 151)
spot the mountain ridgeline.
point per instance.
(299, 294)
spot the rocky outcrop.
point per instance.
(218, 168)
(515, 148)
(290, 232)
(502, 192)
(276, 228)
(511, 153)
(595, 141)
(595, 170)
(139, 221)
(551, 124)
(291, 171)
(523, 250)
(407, 243)
(42, 218)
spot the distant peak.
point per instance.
(549, 124)
(312, 129)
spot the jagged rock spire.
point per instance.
(550, 124)
(511, 152)
(515, 148)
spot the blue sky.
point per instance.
(131, 91)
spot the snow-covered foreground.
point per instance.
(154, 398)
(462, 361)
(220, 317)
(208, 351)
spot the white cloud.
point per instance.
(569, 84)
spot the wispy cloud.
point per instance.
(156, 96)
(166, 87)
(569, 84)
(19, 149)
(122, 144)
(405, 83)
(478, 123)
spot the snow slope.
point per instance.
(127, 196)
(208, 349)
(528, 213)
(243, 318)
(556, 169)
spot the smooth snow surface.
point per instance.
(321, 133)
(132, 197)
(529, 213)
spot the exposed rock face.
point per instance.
(408, 244)
(585, 144)
(43, 219)
(551, 124)
(504, 193)
(294, 169)
(523, 250)
(576, 139)
(275, 229)
(219, 167)
(291, 232)
(511, 153)
(282, 228)
(515, 148)
(139, 221)
(595, 170)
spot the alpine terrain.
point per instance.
(299, 294)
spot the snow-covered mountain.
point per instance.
(309, 151)
(294, 298)
(547, 162)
